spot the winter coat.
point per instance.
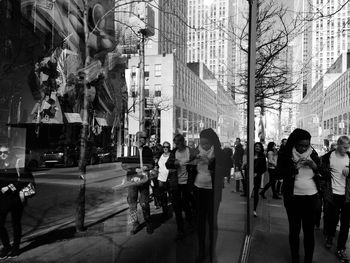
(287, 170)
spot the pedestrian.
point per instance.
(271, 167)
(139, 189)
(279, 180)
(13, 182)
(336, 192)
(298, 165)
(212, 166)
(259, 170)
(229, 153)
(162, 178)
(180, 189)
(238, 162)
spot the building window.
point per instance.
(146, 91)
(157, 91)
(146, 71)
(158, 70)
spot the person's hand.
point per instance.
(4, 189)
(345, 171)
(135, 179)
(307, 162)
(177, 163)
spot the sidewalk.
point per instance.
(108, 239)
(270, 239)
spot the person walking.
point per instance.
(298, 164)
(180, 190)
(238, 162)
(271, 167)
(279, 180)
(13, 181)
(259, 169)
(336, 193)
(162, 185)
(138, 191)
(213, 164)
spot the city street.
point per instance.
(57, 189)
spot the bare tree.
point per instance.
(275, 31)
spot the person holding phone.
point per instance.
(336, 194)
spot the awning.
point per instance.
(73, 117)
(101, 121)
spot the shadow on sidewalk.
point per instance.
(50, 237)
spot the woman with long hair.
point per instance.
(212, 167)
(259, 169)
(271, 167)
(298, 165)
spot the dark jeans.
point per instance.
(206, 213)
(161, 194)
(257, 183)
(14, 206)
(133, 194)
(302, 211)
(271, 183)
(332, 212)
(181, 199)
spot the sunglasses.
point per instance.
(168, 147)
(4, 152)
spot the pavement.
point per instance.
(108, 239)
(270, 238)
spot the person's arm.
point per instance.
(271, 158)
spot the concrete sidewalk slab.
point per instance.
(108, 239)
(270, 239)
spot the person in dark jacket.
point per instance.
(334, 169)
(12, 181)
(298, 165)
(259, 169)
(271, 163)
(238, 162)
(213, 165)
(140, 184)
(180, 181)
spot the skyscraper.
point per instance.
(325, 36)
(209, 37)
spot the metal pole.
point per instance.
(80, 209)
(142, 83)
(251, 102)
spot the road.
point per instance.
(57, 189)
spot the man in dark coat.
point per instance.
(238, 161)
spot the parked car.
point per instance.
(68, 157)
(31, 158)
(106, 154)
(61, 157)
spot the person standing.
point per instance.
(279, 180)
(259, 169)
(162, 186)
(271, 165)
(140, 184)
(298, 164)
(238, 162)
(336, 194)
(213, 164)
(178, 181)
(12, 181)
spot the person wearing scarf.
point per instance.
(298, 165)
(213, 165)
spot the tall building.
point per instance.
(169, 24)
(323, 39)
(209, 40)
(180, 98)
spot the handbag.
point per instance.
(238, 175)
